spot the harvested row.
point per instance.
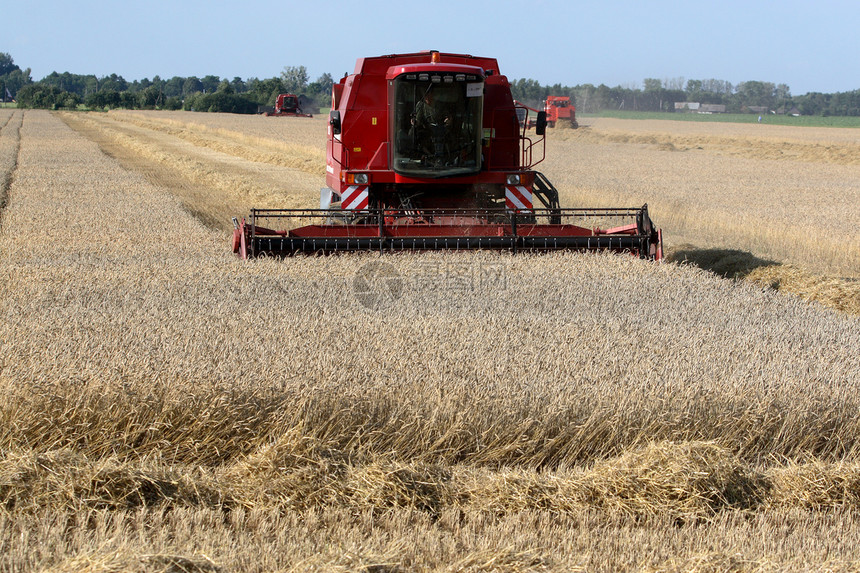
(10, 140)
(691, 481)
(246, 138)
(299, 135)
(337, 539)
(214, 185)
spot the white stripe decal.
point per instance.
(354, 197)
(526, 196)
(518, 198)
(347, 193)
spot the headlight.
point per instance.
(513, 179)
(357, 178)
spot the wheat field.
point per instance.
(784, 194)
(169, 407)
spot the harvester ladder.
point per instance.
(545, 191)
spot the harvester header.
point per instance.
(425, 151)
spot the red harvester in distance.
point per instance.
(560, 108)
(557, 108)
(287, 105)
(425, 151)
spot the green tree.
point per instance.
(138, 86)
(585, 98)
(295, 78)
(69, 100)
(528, 91)
(191, 85)
(7, 64)
(173, 87)
(225, 87)
(113, 82)
(173, 103)
(104, 99)
(782, 95)
(13, 82)
(693, 88)
(210, 83)
(150, 97)
(652, 85)
(265, 92)
(45, 96)
(127, 100)
(91, 84)
(325, 82)
(320, 91)
(220, 101)
(605, 98)
(73, 83)
(238, 85)
(756, 93)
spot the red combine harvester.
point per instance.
(425, 152)
(557, 108)
(287, 105)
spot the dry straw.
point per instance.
(780, 193)
(181, 400)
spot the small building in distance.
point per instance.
(696, 107)
(793, 111)
(687, 106)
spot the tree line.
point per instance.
(208, 93)
(212, 93)
(661, 95)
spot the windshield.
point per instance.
(437, 124)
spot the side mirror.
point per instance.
(334, 121)
(540, 126)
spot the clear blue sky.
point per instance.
(811, 46)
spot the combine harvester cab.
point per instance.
(426, 151)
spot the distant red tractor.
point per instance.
(288, 105)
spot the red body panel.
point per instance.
(362, 99)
